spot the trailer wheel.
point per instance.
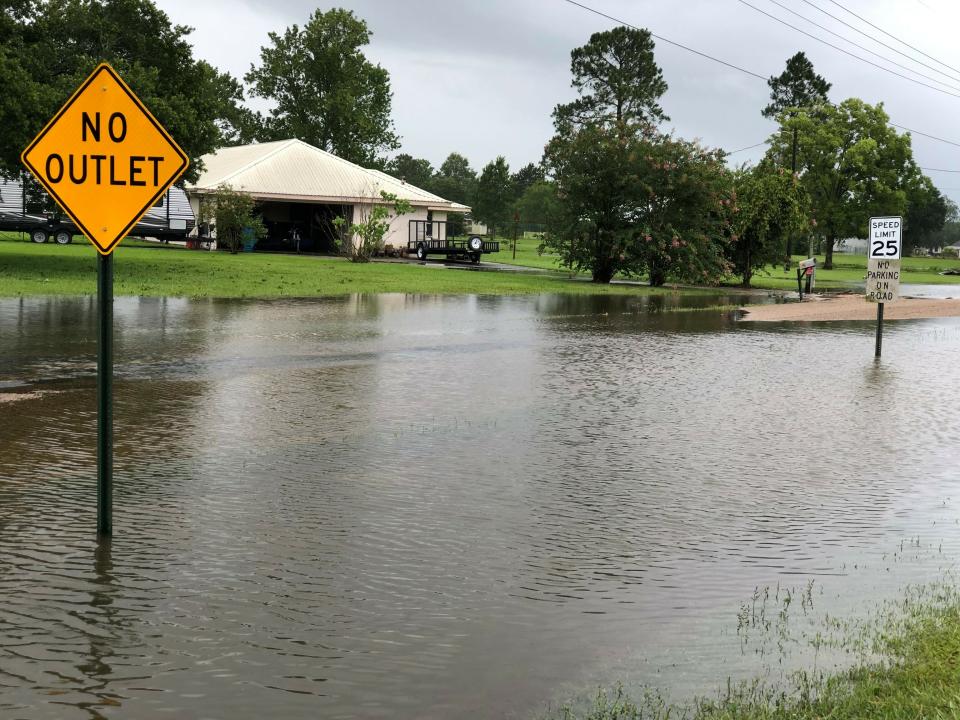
(39, 236)
(63, 237)
(475, 258)
(421, 251)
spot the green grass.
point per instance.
(527, 254)
(906, 667)
(850, 270)
(151, 270)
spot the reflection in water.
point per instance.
(100, 615)
(420, 507)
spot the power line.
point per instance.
(846, 52)
(917, 132)
(748, 147)
(880, 42)
(669, 42)
(866, 49)
(730, 65)
(902, 42)
(939, 170)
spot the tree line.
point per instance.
(616, 193)
(637, 201)
(321, 87)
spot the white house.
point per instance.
(300, 187)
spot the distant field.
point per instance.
(527, 254)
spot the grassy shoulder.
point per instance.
(908, 667)
(28, 269)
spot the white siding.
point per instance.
(399, 226)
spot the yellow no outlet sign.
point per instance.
(105, 159)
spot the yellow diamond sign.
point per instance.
(105, 159)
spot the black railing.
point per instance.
(428, 230)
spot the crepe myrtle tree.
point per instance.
(636, 204)
(362, 240)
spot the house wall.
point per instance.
(195, 206)
(399, 231)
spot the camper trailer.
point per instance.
(25, 207)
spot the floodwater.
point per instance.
(420, 507)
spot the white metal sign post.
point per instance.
(883, 266)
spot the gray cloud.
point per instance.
(482, 77)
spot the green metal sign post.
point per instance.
(105, 121)
(105, 396)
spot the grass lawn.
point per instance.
(28, 269)
(850, 270)
(527, 255)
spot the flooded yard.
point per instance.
(426, 507)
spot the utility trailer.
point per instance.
(429, 237)
(26, 207)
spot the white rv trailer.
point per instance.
(25, 207)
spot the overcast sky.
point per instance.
(482, 77)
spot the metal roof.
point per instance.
(296, 171)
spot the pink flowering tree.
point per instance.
(640, 205)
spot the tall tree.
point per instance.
(416, 171)
(539, 203)
(771, 205)
(949, 234)
(618, 81)
(633, 201)
(47, 49)
(525, 177)
(494, 194)
(927, 212)
(798, 86)
(457, 181)
(324, 90)
(853, 164)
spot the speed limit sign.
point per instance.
(885, 238)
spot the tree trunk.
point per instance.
(658, 276)
(603, 273)
(793, 166)
(748, 267)
(828, 263)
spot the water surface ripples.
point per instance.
(403, 507)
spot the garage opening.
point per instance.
(311, 223)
